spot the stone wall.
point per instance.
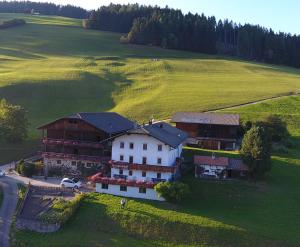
(36, 226)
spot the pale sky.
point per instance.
(283, 15)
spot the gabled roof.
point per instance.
(206, 118)
(109, 122)
(212, 161)
(163, 132)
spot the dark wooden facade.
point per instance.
(211, 136)
(76, 137)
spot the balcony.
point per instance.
(154, 168)
(128, 182)
(50, 155)
(72, 143)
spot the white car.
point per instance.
(70, 183)
(2, 173)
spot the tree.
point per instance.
(172, 191)
(13, 122)
(256, 151)
(276, 128)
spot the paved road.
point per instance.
(10, 198)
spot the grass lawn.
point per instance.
(216, 213)
(53, 67)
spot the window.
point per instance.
(144, 174)
(122, 145)
(123, 188)
(158, 175)
(120, 172)
(130, 173)
(58, 162)
(88, 165)
(72, 121)
(104, 186)
(144, 160)
(145, 146)
(73, 163)
(159, 161)
(142, 190)
(130, 159)
(131, 145)
(159, 147)
(121, 157)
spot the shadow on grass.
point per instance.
(147, 226)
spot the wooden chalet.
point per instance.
(209, 130)
(81, 138)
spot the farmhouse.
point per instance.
(219, 167)
(209, 130)
(141, 158)
(81, 139)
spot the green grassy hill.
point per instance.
(53, 67)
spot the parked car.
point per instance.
(2, 173)
(70, 183)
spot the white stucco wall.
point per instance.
(212, 170)
(168, 155)
(137, 175)
(132, 192)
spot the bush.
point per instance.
(25, 169)
(172, 191)
(62, 210)
(12, 23)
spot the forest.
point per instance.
(43, 8)
(170, 28)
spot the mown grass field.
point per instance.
(53, 67)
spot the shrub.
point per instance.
(62, 210)
(172, 191)
(12, 23)
(25, 169)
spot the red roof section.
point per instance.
(210, 160)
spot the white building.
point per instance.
(211, 166)
(141, 158)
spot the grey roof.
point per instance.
(162, 131)
(109, 122)
(206, 118)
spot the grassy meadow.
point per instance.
(216, 213)
(53, 67)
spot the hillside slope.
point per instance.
(54, 67)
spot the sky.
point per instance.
(280, 15)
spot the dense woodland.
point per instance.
(43, 8)
(170, 28)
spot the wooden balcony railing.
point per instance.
(64, 142)
(75, 157)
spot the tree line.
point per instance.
(170, 28)
(43, 8)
